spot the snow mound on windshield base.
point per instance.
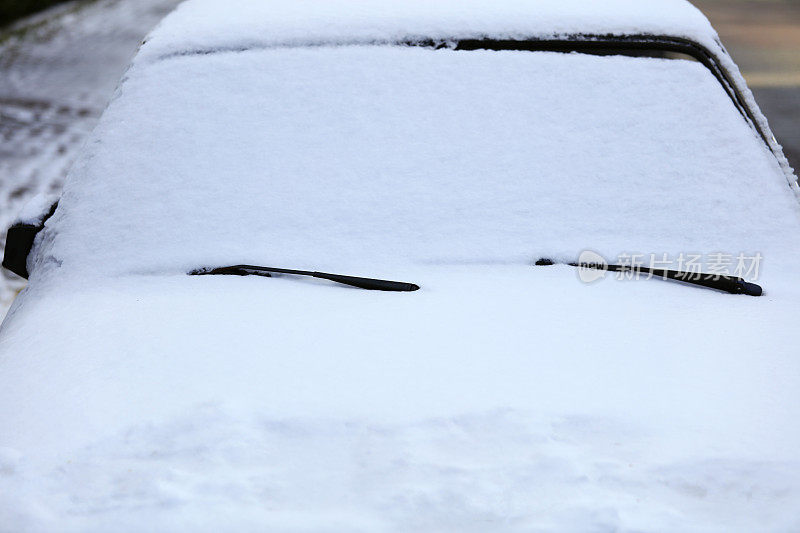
(496, 471)
(211, 25)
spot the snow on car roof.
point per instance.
(203, 25)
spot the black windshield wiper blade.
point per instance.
(729, 284)
(369, 284)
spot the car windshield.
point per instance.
(345, 158)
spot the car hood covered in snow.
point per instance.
(497, 397)
(501, 395)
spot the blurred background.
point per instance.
(60, 62)
(763, 36)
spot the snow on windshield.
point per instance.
(354, 157)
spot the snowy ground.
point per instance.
(58, 70)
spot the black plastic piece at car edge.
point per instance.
(353, 281)
(729, 284)
(19, 242)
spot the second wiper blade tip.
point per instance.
(729, 284)
(369, 284)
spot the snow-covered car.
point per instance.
(463, 157)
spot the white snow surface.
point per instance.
(369, 159)
(209, 25)
(203, 26)
(499, 397)
(35, 209)
(58, 70)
